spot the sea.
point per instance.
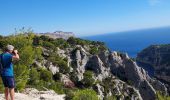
(133, 42)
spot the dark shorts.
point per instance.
(8, 81)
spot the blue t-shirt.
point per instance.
(7, 64)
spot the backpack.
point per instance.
(1, 63)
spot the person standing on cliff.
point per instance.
(6, 70)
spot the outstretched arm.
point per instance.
(15, 56)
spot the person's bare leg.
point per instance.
(6, 93)
(12, 93)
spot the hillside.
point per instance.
(80, 69)
(158, 58)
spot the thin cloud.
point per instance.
(154, 2)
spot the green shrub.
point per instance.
(77, 41)
(60, 62)
(26, 55)
(86, 94)
(36, 41)
(160, 96)
(111, 98)
(34, 77)
(61, 43)
(70, 93)
(73, 77)
(44, 38)
(102, 48)
(63, 67)
(48, 44)
(72, 41)
(57, 87)
(94, 50)
(21, 73)
(65, 45)
(108, 85)
(3, 43)
(20, 40)
(45, 75)
(38, 54)
(88, 79)
(53, 58)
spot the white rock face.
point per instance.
(109, 65)
(61, 53)
(53, 68)
(120, 65)
(100, 90)
(119, 88)
(40, 64)
(81, 59)
(127, 69)
(98, 67)
(33, 94)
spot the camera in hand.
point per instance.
(13, 52)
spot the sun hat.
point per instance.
(10, 47)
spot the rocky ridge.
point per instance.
(130, 80)
(157, 57)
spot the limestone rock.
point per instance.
(98, 67)
(157, 57)
(80, 58)
(53, 69)
(129, 71)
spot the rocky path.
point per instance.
(33, 94)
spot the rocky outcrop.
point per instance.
(159, 86)
(98, 67)
(99, 90)
(157, 57)
(79, 59)
(106, 64)
(137, 83)
(118, 88)
(125, 68)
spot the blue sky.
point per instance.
(83, 17)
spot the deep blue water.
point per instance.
(132, 42)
